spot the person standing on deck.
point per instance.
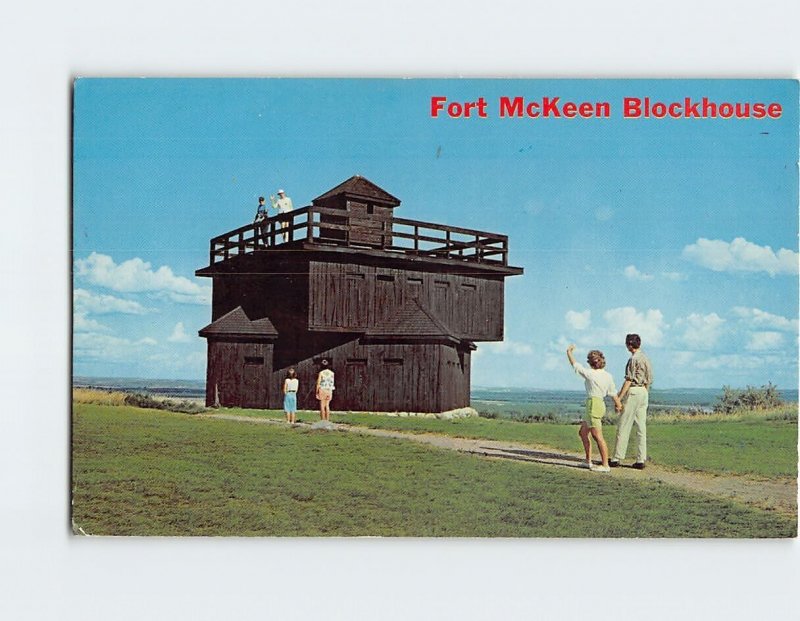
(284, 206)
(261, 215)
(638, 378)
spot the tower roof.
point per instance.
(360, 187)
(237, 323)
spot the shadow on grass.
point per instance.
(542, 457)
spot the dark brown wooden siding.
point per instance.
(238, 374)
(387, 378)
(354, 297)
(370, 224)
(383, 377)
(283, 298)
(454, 378)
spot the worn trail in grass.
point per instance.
(776, 495)
(762, 448)
(146, 472)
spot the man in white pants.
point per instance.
(284, 206)
(638, 378)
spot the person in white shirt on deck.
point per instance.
(599, 384)
(283, 204)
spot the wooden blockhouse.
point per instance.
(395, 305)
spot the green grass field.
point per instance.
(149, 472)
(749, 446)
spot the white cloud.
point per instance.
(87, 302)
(553, 362)
(578, 321)
(674, 276)
(631, 273)
(617, 323)
(762, 319)
(741, 255)
(682, 358)
(192, 362)
(625, 320)
(764, 341)
(731, 361)
(556, 357)
(136, 276)
(93, 346)
(179, 334)
(700, 331)
(81, 323)
(515, 348)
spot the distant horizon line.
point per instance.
(474, 387)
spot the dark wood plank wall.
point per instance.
(345, 296)
(333, 299)
(283, 298)
(385, 377)
(382, 377)
(454, 374)
(239, 374)
(370, 224)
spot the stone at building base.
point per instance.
(448, 415)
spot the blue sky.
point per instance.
(682, 230)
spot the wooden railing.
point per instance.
(320, 225)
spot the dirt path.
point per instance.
(776, 495)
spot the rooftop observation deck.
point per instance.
(320, 228)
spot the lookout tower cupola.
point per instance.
(366, 207)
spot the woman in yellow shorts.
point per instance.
(599, 383)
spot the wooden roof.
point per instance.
(237, 323)
(412, 320)
(360, 187)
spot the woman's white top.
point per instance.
(599, 382)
